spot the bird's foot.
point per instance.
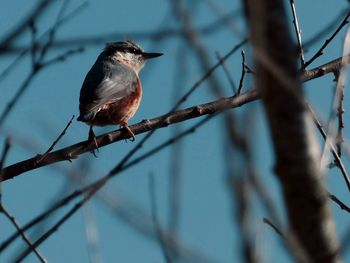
(129, 131)
(92, 138)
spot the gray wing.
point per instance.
(107, 81)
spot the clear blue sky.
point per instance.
(206, 220)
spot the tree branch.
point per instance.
(77, 149)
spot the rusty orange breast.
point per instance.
(120, 111)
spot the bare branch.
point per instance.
(329, 40)
(24, 51)
(325, 31)
(297, 32)
(243, 73)
(330, 67)
(93, 188)
(232, 102)
(340, 203)
(56, 141)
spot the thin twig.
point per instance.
(340, 203)
(331, 147)
(340, 113)
(329, 40)
(55, 141)
(298, 33)
(242, 74)
(325, 31)
(272, 225)
(341, 78)
(4, 154)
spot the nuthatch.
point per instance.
(111, 92)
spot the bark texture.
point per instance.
(296, 151)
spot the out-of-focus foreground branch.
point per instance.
(75, 150)
(297, 158)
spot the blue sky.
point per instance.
(206, 219)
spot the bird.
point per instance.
(111, 92)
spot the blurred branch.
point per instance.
(12, 219)
(222, 104)
(90, 190)
(297, 161)
(157, 35)
(274, 227)
(177, 151)
(336, 157)
(37, 67)
(24, 51)
(7, 214)
(156, 224)
(229, 21)
(6, 43)
(192, 37)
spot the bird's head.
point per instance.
(129, 53)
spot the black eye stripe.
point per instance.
(133, 50)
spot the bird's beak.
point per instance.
(151, 55)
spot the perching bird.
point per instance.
(112, 90)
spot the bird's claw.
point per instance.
(129, 131)
(92, 138)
